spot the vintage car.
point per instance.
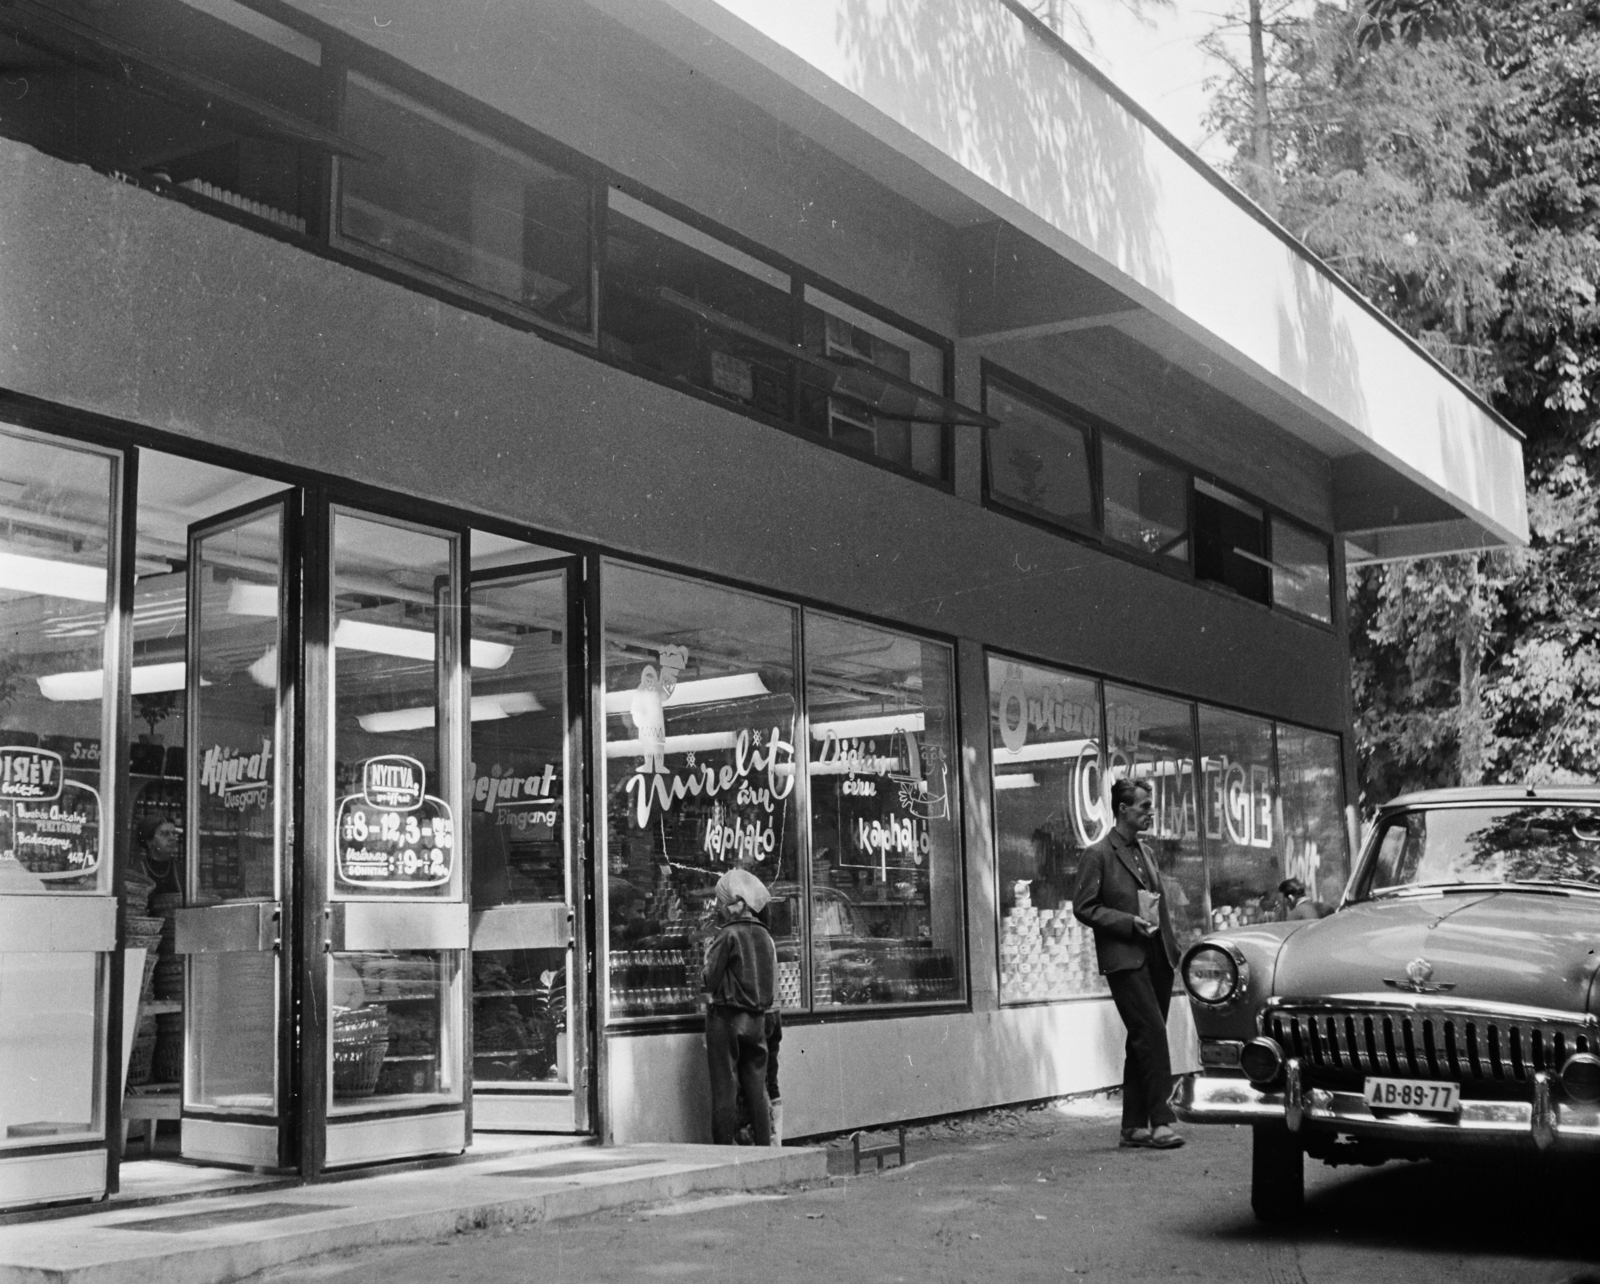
(1447, 1006)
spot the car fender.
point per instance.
(1258, 945)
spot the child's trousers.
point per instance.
(736, 1056)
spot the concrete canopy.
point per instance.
(1080, 216)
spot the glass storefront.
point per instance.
(886, 903)
(701, 708)
(1267, 806)
(1048, 806)
(60, 507)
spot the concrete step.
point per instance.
(219, 1240)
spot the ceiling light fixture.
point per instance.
(50, 578)
(487, 708)
(89, 684)
(734, 686)
(411, 644)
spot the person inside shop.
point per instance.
(740, 984)
(1296, 904)
(160, 843)
(1119, 896)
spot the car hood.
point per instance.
(1500, 947)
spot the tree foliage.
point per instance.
(1444, 155)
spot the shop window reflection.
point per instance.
(459, 205)
(1151, 739)
(1146, 502)
(700, 722)
(1238, 808)
(1230, 542)
(1300, 579)
(1049, 804)
(695, 309)
(885, 868)
(1316, 848)
(1041, 462)
(841, 399)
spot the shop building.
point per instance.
(467, 480)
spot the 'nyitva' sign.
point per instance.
(394, 834)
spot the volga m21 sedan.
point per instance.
(1448, 1005)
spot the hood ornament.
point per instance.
(1419, 979)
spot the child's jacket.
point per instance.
(742, 966)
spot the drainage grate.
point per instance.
(186, 1222)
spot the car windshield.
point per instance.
(1470, 847)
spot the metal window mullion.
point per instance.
(802, 804)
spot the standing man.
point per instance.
(1119, 896)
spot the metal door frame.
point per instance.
(580, 949)
(292, 504)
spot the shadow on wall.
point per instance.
(969, 77)
(1328, 370)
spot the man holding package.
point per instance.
(740, 983)
(1119, 896)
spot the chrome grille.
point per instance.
(1425, 1044)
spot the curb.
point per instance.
(412, 1207)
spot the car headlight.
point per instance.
(1214, 973)
(1261, 1060)
(1580, 1076)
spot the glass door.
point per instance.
(388, 987)
(528, 1017)
(242, 645)
(59, 518)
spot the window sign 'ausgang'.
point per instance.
(394, 833)
(49, 825)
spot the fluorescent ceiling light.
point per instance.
(89, 684)
(411, 644)
(709, 740)
(867, 728)
(245, 598)
(735, 686)
(1048, 751)
(264, 672)
(50, 578)
(487, 708)
(1023, 781)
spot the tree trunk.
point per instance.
(1266, 184)
(1471, 735)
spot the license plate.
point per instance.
(1414, 1094)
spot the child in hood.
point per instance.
(740, 976)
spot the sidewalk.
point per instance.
(221, 1239)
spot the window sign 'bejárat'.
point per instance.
(393, 833)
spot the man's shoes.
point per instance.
(1163, 1138)
(1136, 1138)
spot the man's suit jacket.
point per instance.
(1111, 873)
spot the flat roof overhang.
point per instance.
(1090, 231)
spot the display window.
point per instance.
(1300, 579)
(1238, 807)
(886, 904)
(459, 205)
(1315, 841)
(396, 1028)
(1049, 804)
(701, 708)
(695, 309)
(55, 565)
(864, 395)
(1150, 738)
(1041, 462)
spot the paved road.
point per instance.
(1046, 1195)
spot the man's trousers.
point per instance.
(1142, 996)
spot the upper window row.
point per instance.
(1069, 472)
(218, 104)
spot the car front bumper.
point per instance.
(1213, 1097)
